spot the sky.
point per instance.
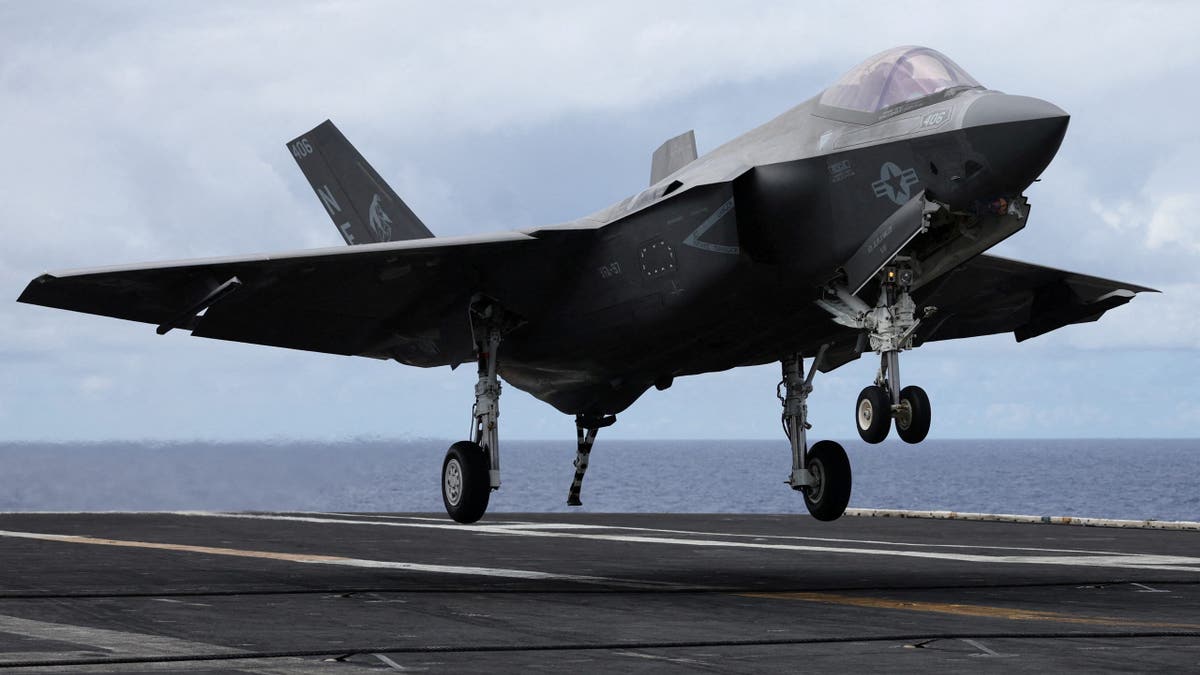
(141, 131)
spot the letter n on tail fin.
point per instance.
(364, 208)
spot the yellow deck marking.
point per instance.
(329, 559)
(213, 550)
(981, 611)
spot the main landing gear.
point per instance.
(822, 472)
(889, 327)
(471, 469)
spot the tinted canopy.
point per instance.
(896, 76)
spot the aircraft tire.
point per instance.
(873, 414)
(465, 482)
(827, 462)
(914, 427)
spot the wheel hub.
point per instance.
(817, 490)
(904, 415)
(866, 413)
(452, 482)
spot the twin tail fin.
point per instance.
(361, 204)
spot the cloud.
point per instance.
(1174, 222)
(1166, 209)
(141, 130)
(94, 385)
(1170, 320)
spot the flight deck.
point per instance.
(355, 592)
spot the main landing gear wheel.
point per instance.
(873, 414)
(913, 418)
(822, 472)
(465, 483)
(830, 468)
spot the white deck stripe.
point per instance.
(117, 643)
(508, 526)
(1088, 559)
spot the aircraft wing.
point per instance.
(990, 295)
(406, 300)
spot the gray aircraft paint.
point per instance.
(672, 156)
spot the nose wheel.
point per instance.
(914, 415)
(873, 414)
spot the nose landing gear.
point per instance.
(889, 328)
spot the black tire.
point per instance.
(873, 414)
(465, 482)
(913, 426)
(827, 500)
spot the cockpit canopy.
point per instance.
(893, 77)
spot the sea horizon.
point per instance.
(1140, 479)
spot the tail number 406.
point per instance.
(302, 148)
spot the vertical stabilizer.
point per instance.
(673, 156)
(364, 208)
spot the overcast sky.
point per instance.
(134, 132)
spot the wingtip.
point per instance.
(27, 295)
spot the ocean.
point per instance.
(1136, 479)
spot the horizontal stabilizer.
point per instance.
(362, 205)
(673, 156)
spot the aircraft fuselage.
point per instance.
(724, 257)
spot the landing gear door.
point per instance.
(886, 241)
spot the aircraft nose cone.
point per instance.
(1003, 109)
(1012, 140)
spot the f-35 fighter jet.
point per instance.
(855, 222)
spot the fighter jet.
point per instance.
(855, 222)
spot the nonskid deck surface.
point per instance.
(308, 592)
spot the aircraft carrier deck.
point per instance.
(322, 592)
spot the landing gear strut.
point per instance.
(471, 469)
(889, 328)
(822, 472)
